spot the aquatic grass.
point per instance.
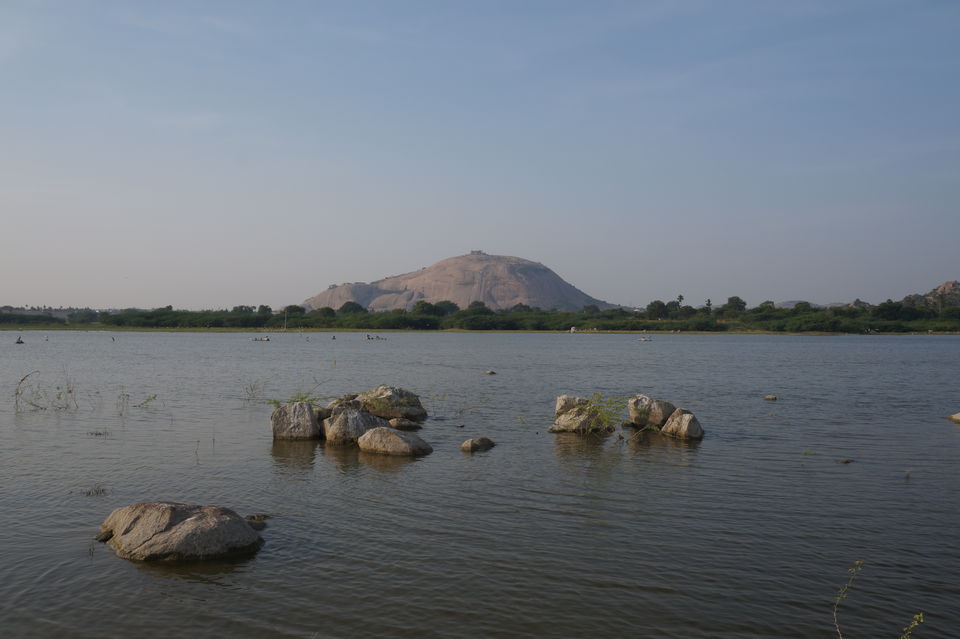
(854, 572)
(146, 402)
(123, 401)
(97, 490)
(606, 412)
(310, 396)
(253, 390)
(31, 394)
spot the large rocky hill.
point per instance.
(499, 281)
(947, 294)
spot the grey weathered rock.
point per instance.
(566, 403)
(295, 421)
(346, 426)
(390, 402)
(342, 403)
(168, 531)
(580, 419)
(646, 411)
(390, 441)
(404, 424)
(770, 398)
(476, 445)
(683, 424)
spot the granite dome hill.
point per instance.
(499, 281)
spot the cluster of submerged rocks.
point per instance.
(583, 415)
(377, 421)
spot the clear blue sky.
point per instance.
(209, 154)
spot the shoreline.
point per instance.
(223, 329)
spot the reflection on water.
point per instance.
(385, 463)
(350, 459)
(668, 449)
(293, 457)
(344, 458)
(201, 572)
(579, 447)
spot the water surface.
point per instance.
(746, 534)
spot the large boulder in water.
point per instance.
(391, 402)
(566, 403)
(683, 424)
(296, 420)
(342, 403)
(345, 427)
(390, 441)
(581, 419)
(168, 531)
(646, 411)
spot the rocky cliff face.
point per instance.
(499, 281)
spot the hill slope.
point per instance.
(499, 281)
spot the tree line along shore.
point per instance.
(658, 316)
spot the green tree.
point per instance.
(447, 307)
(350, 308)
(424, 307)
(656, 310)
(323, 311)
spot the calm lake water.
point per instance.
(747, 534)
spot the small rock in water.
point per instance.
(955, 418)
(404, 424)
(257, 521)
(489, 372)
(846, 460)
(477, 445)
(771, 398)
(683, 424)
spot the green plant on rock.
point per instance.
(605, 413)
(310, 396)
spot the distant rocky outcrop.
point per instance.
(345, 419)
(947, 294)
(499, 281)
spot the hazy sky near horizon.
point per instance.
(210, 154)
